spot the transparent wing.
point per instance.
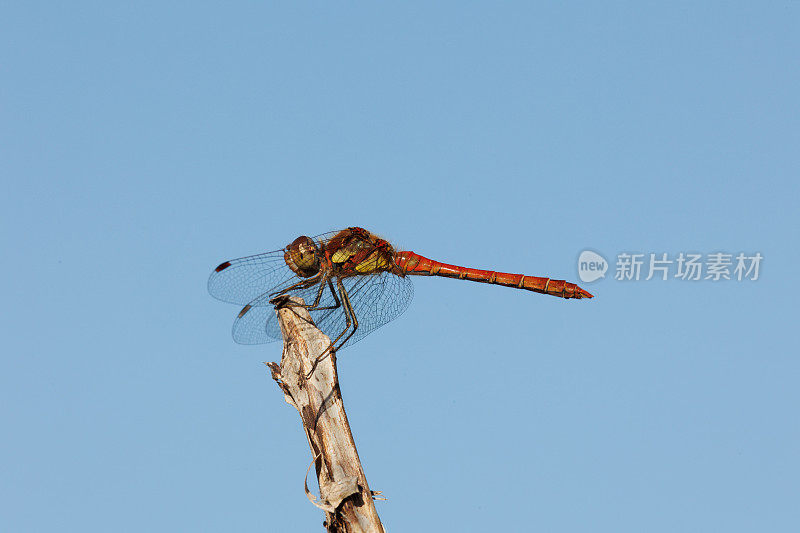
(257, 323)
(376, 299)
(240, 281)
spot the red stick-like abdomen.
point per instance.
(415, 264)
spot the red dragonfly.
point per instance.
(355, 281)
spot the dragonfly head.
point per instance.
(301, 256)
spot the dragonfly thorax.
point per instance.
(301, 257)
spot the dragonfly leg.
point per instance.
(319, 296)
(349, 310)
(282, 297)
(279, 298)
(348, 314)
(302, 284)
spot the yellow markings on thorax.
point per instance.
(376, 261)
(341, 255)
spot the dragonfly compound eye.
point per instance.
(301, 257)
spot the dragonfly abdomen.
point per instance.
(415, 264)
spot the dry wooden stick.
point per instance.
(345, 494)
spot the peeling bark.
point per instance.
(345, 495)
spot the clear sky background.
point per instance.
(141, 145)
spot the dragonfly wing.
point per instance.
(240, 281)
(376, 299)
(257, 323)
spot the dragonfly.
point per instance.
(352, 282)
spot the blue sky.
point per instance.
(141, 145)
